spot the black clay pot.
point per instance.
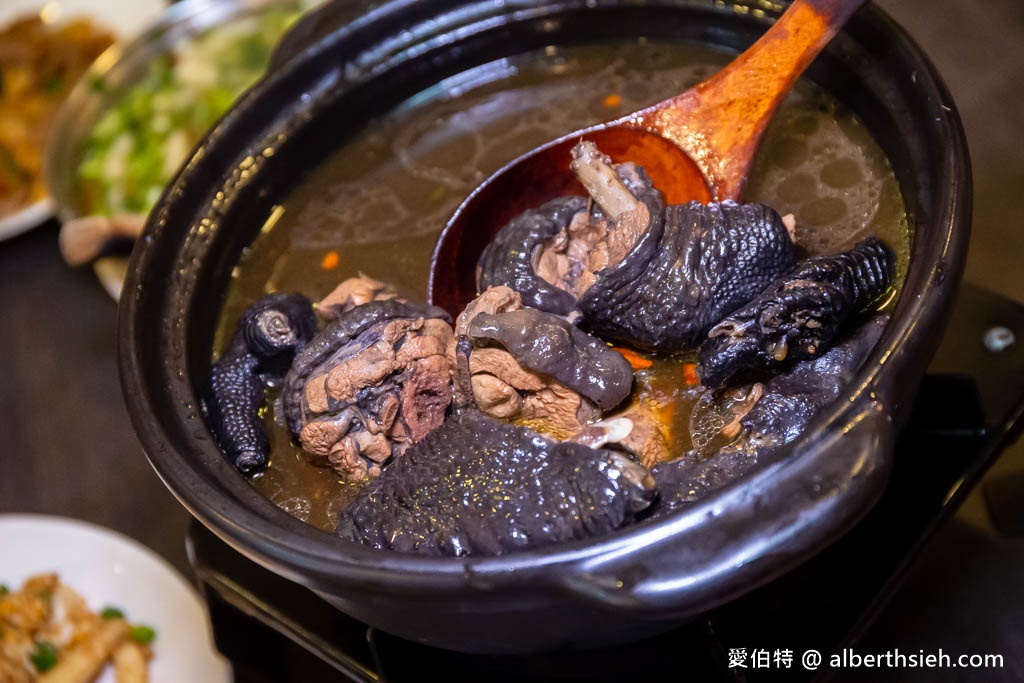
(649, 576)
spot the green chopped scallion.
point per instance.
(111, 613)
(143, 635)
(181, 94)
(44, 657)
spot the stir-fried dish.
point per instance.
(39, 62)
(49, 634)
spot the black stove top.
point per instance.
(968, 410)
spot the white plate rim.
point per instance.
(25, 219)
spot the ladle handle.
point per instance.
(720, 122)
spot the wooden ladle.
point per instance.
(696, 146)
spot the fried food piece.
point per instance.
(84, 661)
(131, 663)
(48, 634)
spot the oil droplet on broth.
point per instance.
(842, 173)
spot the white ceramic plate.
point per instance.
(109, 569)
(26, 219)
(125, 18)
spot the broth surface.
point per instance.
(377, 206)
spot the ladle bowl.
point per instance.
(696, 146)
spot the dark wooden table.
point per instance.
(66, 444)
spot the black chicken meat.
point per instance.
(629, 268)
(780, 410)
(479, 486)
(373, 381)
(799, 316)
(267, 336)
(526, 365)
